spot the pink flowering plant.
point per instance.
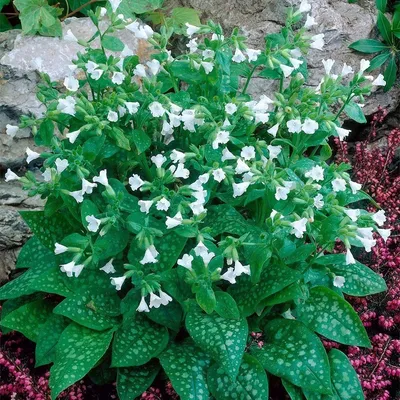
(182, 214)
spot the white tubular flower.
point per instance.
(230, 108)
(59, 248)
(261, 117)
(164, 297)
(72, 136)
(299, 227)
(121, 111)
(349, 258)
(118, 78)
(140, 71)
(295, 62)
(177, 156)
(11, 176)
(191, 29)
(229, 276)
(315, 173)
(186, 261)
(31, 155)
(352, 214)
(150, 256)
(219, 174)
(87, 187)
(118, 282)
(91, 66)
(145, 205)
(339, 281)
(155, 301)
(67, 105)
(126, 52)
(71, 83)
(102, 178)
(309, 126)
(379, 217)
(143, 307)
(252, 54)
(180, 171)
(238, 57)
(96, 74)
(342, 133)
(318, 201)
(339, 185)
(287, 71)
(221, 138)
(241, 167)
(208, 54)
(193, 46)
(135, 182)
(355, 187)
(305, 6)
(68, 268)
(227, 155)
(154, 66)
(208, 66)
(379, 81)
(347, 70)
(112, 116)
(156, 109)
(364, 65)
(132, 107)
(93, 223)
(294, 126)
(274, 130)
(240, 188)
(248, 153)
(328, 64)
(197, 207)
(385, 233)
(163, 204)
(61, 165)
(11, 130)
(364, 235)
(77, 195)
(241, 269)
(274, 151)
(115, 4)
(109, 267)
(174, 221)
(310, 22)
(282, 192)
(318, 41)
(158, 160)
(70, 37)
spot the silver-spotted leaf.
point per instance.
(33, 252)
(294, 392)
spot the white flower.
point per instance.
(72, 136)
(318, 41)
(355, 187)
(156, 109)
(31, 155)
(103, 12)
(70, 37)
(143, 307)
(11, 130)
(227, 155)
(248, 153)
(154, 66)
(274, 130)
(192, 45)
(349, 258)
(144, 32)
(208, 66)
(281, 193)
(241, 167)
(364, 65)
(189, 119)
(385, 233)
(132, 107)
(121, 111)
(347, 69)
(252, 54)
(274, 151)
(174, 221)
(177, 156)
(91, 66)
(96, 74)
(309, 126)
(150, 256)
(67, 105)
(112, 116)
(93, 223)
(207, 54)
(295, 62)
(338, 281)
(118, 282)
(219, 175)
(318, 201)
(180, 171)
(115, 4)
(229, 276)
(305, 6)
(11, 176)
(261, 117)
(186, 261)
(61, 165)
(241, 269)
(145, 205)
(364, 235)
(310, 21)
(140, 71)
(379, 81)
(77, 195)
(102, 178)
(164, 297)
(352, 214)
(71, 269)
(338, 185)
(197, 207)
(118, 78)
(230, 108)
(59, 248)
(239, 188)
(287, 71)
(342, 133)
(109, 267)
(87, 187)
(71, 83)
(379, 217)
(135, 182)
(294, 126)
(238, 57)
(221, 138)
(158, 160)
(315, 173)
(299, 227)
(155, 301)
(126, 52)
(328, 64)
(163, 204)
(191, 29)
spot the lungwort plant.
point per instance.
(183, 214)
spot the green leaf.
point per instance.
(186, 366)
(385, 27)
(368, 46)
(223, 339)
(226, 306)
(88, 208)
(45, 133)
(330, 315)
(390, 74)
(32, 252)
(111, 244)
(289, 293)
(183, 15)
(360, 280)
(4, 22)
(345, 381)
(92, 147)
(77, 352)
(251, 383)
(143, 6)
(132, 382)
(354, 111)
(170, 315)
(37, 16)
(296, 354)
(137, 342)
(274, 278)
(90, 308)
(381, 5)
(205, 297)
(294, 392)
(378, 60)
(48, 230)
(141, 140)
(112, 43)
(28, 318)
(47, 339)
(270, 74)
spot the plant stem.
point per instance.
(249, 79)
